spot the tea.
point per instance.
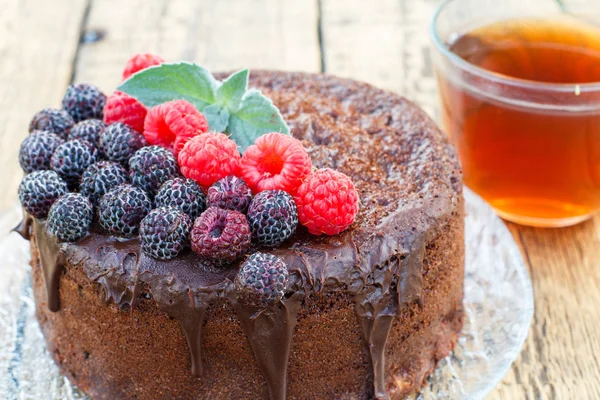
(538, 166)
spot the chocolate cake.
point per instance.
(367, 313)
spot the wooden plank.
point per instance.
(386, 43)
(560, 359)
(382, 42)
(38, 40)
(218, 34)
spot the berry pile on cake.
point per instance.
(153, 182)
(186, 197)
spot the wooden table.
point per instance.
(45, 45)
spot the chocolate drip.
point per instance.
(192, 328)
(52, 260)
(376, 332)
(190, 315)
(270, 334)
(391, 287)
(173, 288)
(410, 281)
(375, 309)
(24, 227)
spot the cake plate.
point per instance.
(498, 303)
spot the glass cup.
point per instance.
(530, 148)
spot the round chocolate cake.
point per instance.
(367, 313)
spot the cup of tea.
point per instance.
(519, 85)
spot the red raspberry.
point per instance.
(327, 202)
(209, 157)
(275, 162)
(121, 107)
(173, 123)
(139, 62)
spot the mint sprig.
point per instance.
(228, 106)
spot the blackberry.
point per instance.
(52, 120)
(262, 280)
(37, 149)
(72, 158)
(152, 166)
(184, 194)
(88, 130)
(164, 232)
(220, 235)
(39, 190)
(99, 178)
(70, 217)
(122, 209)
(119, 142)
(84, 101)
(273, 217)
(230, 192)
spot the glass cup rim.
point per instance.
(501, 79)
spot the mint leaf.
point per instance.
(256, 116)
(231, 91)
(217, 117)
(228, 106)
(166, 82)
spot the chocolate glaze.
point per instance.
(409, 185)
(185, 287)
(53, 260)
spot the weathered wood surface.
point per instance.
(38, 42)
(219, 34)
(383, 42)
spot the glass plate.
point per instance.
(498, 303)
